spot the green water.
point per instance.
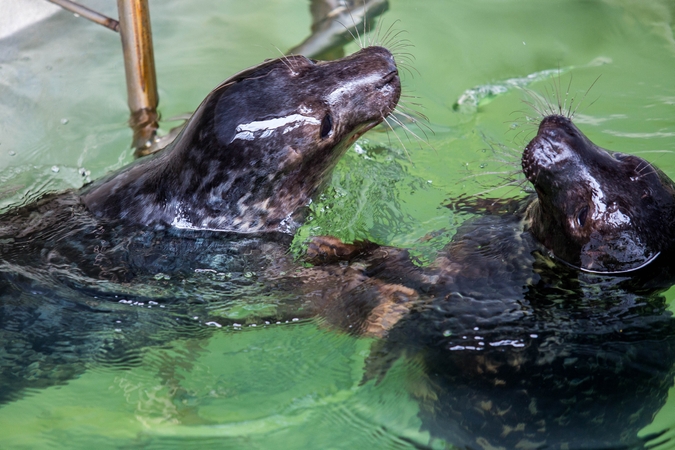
(63, 109)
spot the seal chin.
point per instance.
(621, 254)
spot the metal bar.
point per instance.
(139, 65)
(337, 22)
(88, 14)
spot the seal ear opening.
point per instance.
(624, 253)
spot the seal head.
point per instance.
(257, 148)
(598, 210)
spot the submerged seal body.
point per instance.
(542, 326)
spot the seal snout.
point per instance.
(554, 121)
(552, 145)
(529, 169)
(539, 154)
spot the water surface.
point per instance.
(299, 385)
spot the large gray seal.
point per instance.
(134, 259)
(257, 148)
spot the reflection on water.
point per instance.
(166, 356)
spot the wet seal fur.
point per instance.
(257, 148)
(542, 324)
(209, 219)
(598, 210)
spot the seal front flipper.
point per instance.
(329, 249)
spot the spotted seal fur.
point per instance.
(257, 148)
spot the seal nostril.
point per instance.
(391, 76)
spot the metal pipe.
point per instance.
(139, 65)
(88, 14)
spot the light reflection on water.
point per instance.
(182, 383)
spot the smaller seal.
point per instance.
(512, 343)
(597, 210)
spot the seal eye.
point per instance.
(326, 126)
(581, 217)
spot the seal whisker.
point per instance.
(421, 124)
(411, 96)
(408, 68)
(584, 97)
(408, 104)
(376, 34)
(286, 60)
(392, 39)
(523, 119)
(641, 166)
(405, 150)
(521, 131)
(556, 87)
(404, 108)
(366, 30)
(349, 31)
(385, 39)
(550, 110)
(402, 43)
(538, 103)
(651, 172)
(645, 165)
(407, 130)
(405, 57)
(416, 122)
(567, 93)
(356, 28)
(534, 107)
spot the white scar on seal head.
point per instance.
(611, 213)
(246, 131)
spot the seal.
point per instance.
(207, 221)
(541, 324)
(257, 148)
(598, 210)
